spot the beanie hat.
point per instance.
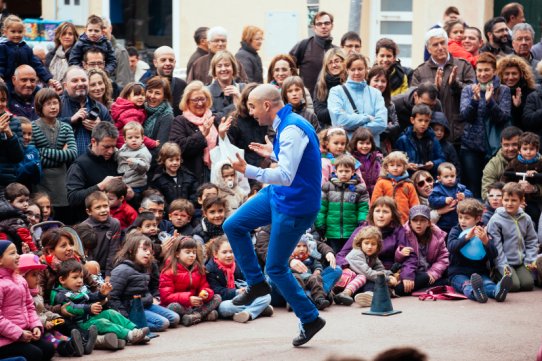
(4, 244)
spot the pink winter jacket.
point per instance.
(124, 111)
(17, 312)
(437, 254)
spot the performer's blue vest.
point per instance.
(303, 196)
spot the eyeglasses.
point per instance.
(198, 100)
(323, 23)
(96, 63)
(428, 180)
(336, 61)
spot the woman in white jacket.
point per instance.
(366, 107)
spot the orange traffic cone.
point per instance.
(381, 304)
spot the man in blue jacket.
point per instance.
(290, 204)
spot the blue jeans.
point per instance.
(160, 318)
(461, 283)
(286, 231)
(228, 309)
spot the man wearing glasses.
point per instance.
(309, 53)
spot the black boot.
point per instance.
(89, 339)
(308, 330)
(251, 293)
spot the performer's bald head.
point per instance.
(264, 102)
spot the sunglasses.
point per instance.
(428, 180)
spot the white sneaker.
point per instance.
(364, 299)
(241, 317)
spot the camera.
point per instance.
(94, 113)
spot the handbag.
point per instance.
(446, 293)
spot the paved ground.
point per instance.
(445, 330)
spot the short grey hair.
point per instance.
(522, 27)
(104, 130)
(216, 31)
(435, 33)
(153, 198)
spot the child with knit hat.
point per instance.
(20, 326)
(31, 268)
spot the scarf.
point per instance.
(229, 271)
(34, 291)
(54, 262)
(211, 137)
(398, 178)
(528, 161)
(153, 114)
(301, 256)
(332, 80)
(59, 64)
(350, 184)
(212, 229)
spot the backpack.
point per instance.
(446, 293)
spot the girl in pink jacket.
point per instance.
(426, 243)
(20, 326)
(129, 108)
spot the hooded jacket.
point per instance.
(13, 55)
(235, 195)
(515, 238)
(437, 200)
(421, 150)
(183, 285)
(124, 111)
(134, 174)
(84, 43)
(403, 191)
(450, 154)
(437, 254)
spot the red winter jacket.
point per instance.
(180, 287)
(124, 111)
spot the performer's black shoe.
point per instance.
(308, 330)
(251, 293)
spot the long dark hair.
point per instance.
(386, 202)
(179, 243)
(378, 71)
(131, 244)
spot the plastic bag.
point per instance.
(221, 154)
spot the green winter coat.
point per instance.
(344, 206)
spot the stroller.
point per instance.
(38, 229)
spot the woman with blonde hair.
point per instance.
(195, 130)
(100, 87)
(224, 90)
(516, 74)
(333, 73)
(247, 56)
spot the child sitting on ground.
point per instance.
(227, 280)
(427, 246)
(87, 307)
(31, 268)
(116, 191)
(471, 252)
(310, 280)
(20, 326)
(419, 142)
(345, 203)
(528, 161)
(210, 226)
(394, 182)
(137, 274)
(205, 190)
(363, 260)
(513, 233)
(183, 284)
(447, 192)
(494, 201)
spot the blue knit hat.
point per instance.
(4, 244)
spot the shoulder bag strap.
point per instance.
(350, 98)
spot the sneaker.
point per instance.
(121, 344)
(90, 342)
(251, 293)
(343, 299)
(175, 307)
(308, 330)
(76, 343)
(191, 319)
(212, 316)
(364, 299)
(241, 317)
(321, 303)
(109, 341)
(136, 336)
(146, 330)
(268, 311)
(478, 290)
(502, 288)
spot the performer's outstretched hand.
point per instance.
(264, 150)
(238, 164)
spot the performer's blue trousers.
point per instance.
(285, 233)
